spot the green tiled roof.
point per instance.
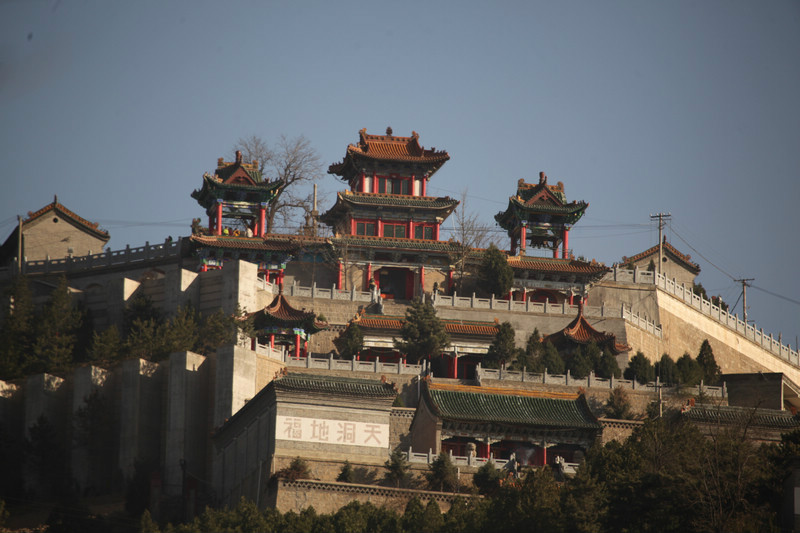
(768, 418)
(511, 409)
(335, 385)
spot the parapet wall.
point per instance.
(329, 497)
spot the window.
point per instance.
(394, 230)
(423, 232)
(382, 185)
(365, 228)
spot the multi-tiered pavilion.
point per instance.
(540, 216)
(385, 226)
(236, 198)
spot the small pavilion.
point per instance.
(580, 333)
(280, 324)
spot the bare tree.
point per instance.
(471, 233)
(294, 161)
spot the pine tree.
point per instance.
(667, 370)
(107, 345)
(17, 331)
(503, 347)
(608, 366)
(346, 473)
(57, 330)
(397, 469)
(640, 369)
(442, 474)
(689, 371)
(422, 333)
(350, 342)
(580, 364)
(551, 360)
(710, 369)
(495, 274)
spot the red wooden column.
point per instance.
(339, 276)
(352, 226)
(374, 182)
(410, 229)
(455, 365)
(369, 275)
(436, 236)
(379, 227)
(450, 280)
(218, 226)
(272, 341)
(424, 186)
(262, 213)
(363, 183)
(565, 253)
(421, 280)
(522, 238)
(297, 345)
(211, 219)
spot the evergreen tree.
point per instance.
(422, 333)
(346, 474)
(487, 479)
(350, 342)
(397, 469)
(57, 330)
(608, 366)
(667, 370)
(141, 308)
(432, 518)
(594, 354)
(107, 345)
(579, 364)
(413, 515)
(495, 274)
(442, 474)
(551, 361)
(640, 369)
(181, 332)
(689, 371)
(502, 347)
(17, 332)
(527, 359)
(708, 365)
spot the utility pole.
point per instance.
(744, 283)
(661, 217)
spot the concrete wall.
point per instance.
(186, 434)
(90, 459)
(140, 414)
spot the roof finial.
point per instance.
(542, 177)
(55, 199)
(389, 131)
(239, 156)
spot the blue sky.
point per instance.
(638, 107)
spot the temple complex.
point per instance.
(386, 228)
